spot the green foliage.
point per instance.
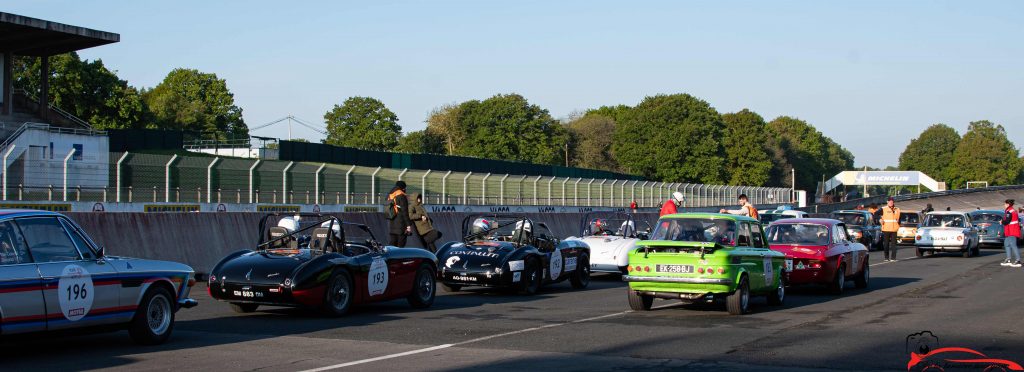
(672, 138)
(363, 123)
(444, 122)
(591, 142)
(985, 154)
(507, 127)
(188, 99)
(85, 89)
(616, 113)
(931, 152)
(808, 151)
(747, 159)
(421, 142)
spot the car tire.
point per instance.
(154, 318)
(839, 282)
(967, 252)
(451, 288)
(778, 296)
(861, 281)
(581, 277)
(424, 288)
(639, 302)
(738, 302)
(339, 293)
(243, 308)
(920, 252)
(532, 277)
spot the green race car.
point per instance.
(705, 257)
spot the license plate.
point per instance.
(789, 265)
(464, 278)
(674, 269)
(249, 294)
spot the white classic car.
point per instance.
(947, 232)
(610, 239)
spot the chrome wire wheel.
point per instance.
(340, 292)
(158, 314)
(425, 287)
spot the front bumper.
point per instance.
(480, 279)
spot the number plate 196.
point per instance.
(674, 269)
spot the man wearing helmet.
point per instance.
(672, 205)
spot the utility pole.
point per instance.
(792, 185)
(865, 181)
(567, 154)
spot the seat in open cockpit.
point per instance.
(275, 233)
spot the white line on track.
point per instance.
(445, 346)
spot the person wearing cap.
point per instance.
(746, 208)
(890, 219)
(1011, 233)
(400, 226)
(672, 205)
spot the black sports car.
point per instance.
(511, 252)
(316, 261)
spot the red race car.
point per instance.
(818, 251)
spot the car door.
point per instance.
(79, 288)
(21, 295)
(755, 259)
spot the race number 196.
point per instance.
(75, 292)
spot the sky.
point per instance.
(869, 74)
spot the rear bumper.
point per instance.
(997, 240)
(659, 279)
(943, 248)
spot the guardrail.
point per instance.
(880, 200)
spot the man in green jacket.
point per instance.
(424, 227)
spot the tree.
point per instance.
(188, 99)
(363, 123)
(672, 138)
(591, 142)
(747, 160)
(508, 127)
(616, 113)
(87, 90)
(444, 122)
(809, 152)
(985, 154)
(931, 152)
(421, 142)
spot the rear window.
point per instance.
(798, 233)
(856, 219)
(698, 230)
(944, 220)
(987, 217)
(909, 219)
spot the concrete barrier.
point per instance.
(201, 239)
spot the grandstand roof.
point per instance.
(36, 37)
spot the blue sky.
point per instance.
(869, 74)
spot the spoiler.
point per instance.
(703, 247)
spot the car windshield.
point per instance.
(856, 219)
(909, 219)
(699, 230)
(987, 217)
(798, 233)
(944, 220)
(355, 233)
(611, 226)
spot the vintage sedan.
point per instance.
(860, 226)
(705, 257)
(989, 225)
(908, 228)
(53, 277)
(818, 251)
(319, 262)
(507, 251)
(611, 237)
(947, 232)
(768, 216)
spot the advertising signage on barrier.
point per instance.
(519, 209)
(279, 208)
(52, 207)
(361, 208)
(170, 208)
(883, 178)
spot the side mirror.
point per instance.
(101, 252)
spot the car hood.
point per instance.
(260, 268)
(139, 264)
(474, 257)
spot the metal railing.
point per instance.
(137, 177)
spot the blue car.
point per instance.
(990, 228)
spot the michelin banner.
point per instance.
(882, 178)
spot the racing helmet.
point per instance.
(479, 226)
(677, 196)
(335, 228)
(289, 224)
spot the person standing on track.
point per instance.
(890, 225)
(672, 205)
(746, 208)
(1011, 231)
(399, 225)
(424, 225)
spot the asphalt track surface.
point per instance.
(972, 302)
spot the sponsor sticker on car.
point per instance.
(789, 264)
(516, 265)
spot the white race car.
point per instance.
(947, 232)
(610, 239)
